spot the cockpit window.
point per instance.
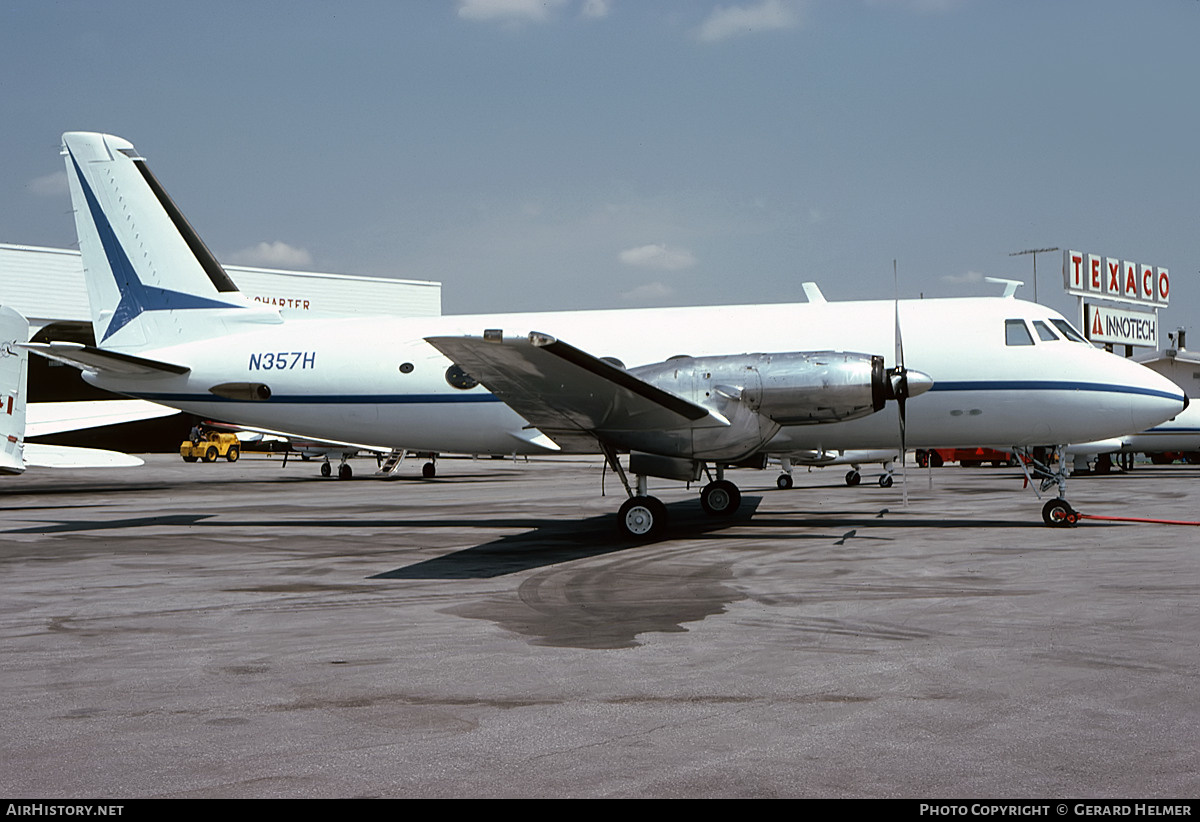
(1068, 331)
(1043, 331)
(1016, 333)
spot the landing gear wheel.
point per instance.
(233, 453)
(344, 471)
(429, 470)
(1058, 513)
(642, 518)
(784, 482)
(326, 470)
(885, 481)
(720, 498)
(853, 478)
(211, 454)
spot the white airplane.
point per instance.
(855, 459)
(19, 419)
(678, 389)
(1180, 434)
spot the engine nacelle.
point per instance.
(752, 395)
(795, 388)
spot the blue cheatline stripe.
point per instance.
(330, 399)
(419, 399)
(1050, 385)
(136, 296)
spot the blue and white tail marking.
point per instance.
(159, 269)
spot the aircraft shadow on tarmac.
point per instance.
(548, 542)
(555, 541)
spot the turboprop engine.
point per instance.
(750, 396)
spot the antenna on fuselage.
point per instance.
(1010, 286)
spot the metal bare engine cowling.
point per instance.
(793, 388)
(752, 395)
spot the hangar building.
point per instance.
(46, 285)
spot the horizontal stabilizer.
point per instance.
(101, 361)
(66, 456)
(563, 391)
(45, 418)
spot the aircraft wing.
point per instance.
(98, 360)
(293, 438)
(567, 394)
(42, 418)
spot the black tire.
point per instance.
(429, 470)
(783, 482)
(345, 471)
(326, 470)
(853, 478)
(192, 458)
(211, 454)
(1058, 513)
(642, 518)
(885, 481)
(233, 453)
(720, 498)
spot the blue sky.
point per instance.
(539, 154)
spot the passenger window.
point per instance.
(1016, 333)
(1068, 331)
(1043, 331)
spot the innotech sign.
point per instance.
(1112, 325)
(1108, 278)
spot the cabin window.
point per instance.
(1043, 331)
(1017, 333)
(1068, 331)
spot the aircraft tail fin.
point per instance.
(14, 361)
(151, 280)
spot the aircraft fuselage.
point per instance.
(376, 381)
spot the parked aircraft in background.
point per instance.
(677, 389)
(855, 459)
(19, 419)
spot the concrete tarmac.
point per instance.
(247, 630)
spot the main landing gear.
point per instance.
(643, 517)
(344, 471)
(886, 479)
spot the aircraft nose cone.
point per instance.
(1162, 400)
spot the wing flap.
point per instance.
(567, 394)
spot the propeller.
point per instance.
(898, 377)
(903, 382)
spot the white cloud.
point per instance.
(507, 11)
(648, 294)
(595, 9)
(919, 6)
(272, 255)
(769, 15)
(51, 185)
(969, 278)
(658, 257)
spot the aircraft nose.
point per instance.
(1159, 400)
